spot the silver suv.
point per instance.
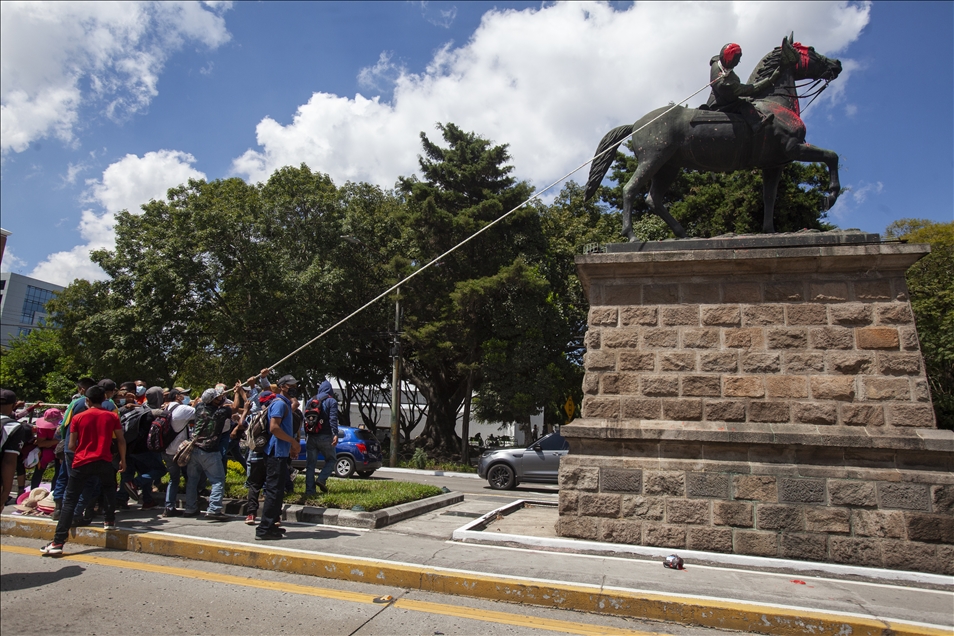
(538, 463)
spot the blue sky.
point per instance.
(107, 105)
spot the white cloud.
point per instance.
(860, 194)
(11, 262)
(550, 82)
(125, 185)
(57, 57)
(440, 14)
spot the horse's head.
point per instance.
(806, 63)
(800, 61)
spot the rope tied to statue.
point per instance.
(435, 260)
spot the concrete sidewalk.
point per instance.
(418, 554)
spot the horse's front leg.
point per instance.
(810, 153)
(770, 178)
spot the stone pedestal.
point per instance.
(759, 399)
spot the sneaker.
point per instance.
(322, 487)
(109, 525)
(122, 505)
(149, 505)
(269, 536)
(190, 513)
(52, 549)
(216, 516)
(131, 489)
(250, 520)
(172, 512)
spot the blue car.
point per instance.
(358, 451)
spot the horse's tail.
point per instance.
(601, 164)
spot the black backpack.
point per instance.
(315, 417)
(131, 422)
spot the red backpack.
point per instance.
(161, 432)
(314, 417)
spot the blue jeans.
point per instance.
(318, 444)
(150, 468)
(209, 464)
(175, 472)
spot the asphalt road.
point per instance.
(474, 486)
(106, 592)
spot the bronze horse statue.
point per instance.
(711, 141)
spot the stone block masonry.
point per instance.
(768, 401)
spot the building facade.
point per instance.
(22, 303)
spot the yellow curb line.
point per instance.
(483, 615)
(747, 617)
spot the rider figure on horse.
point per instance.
(728, 91)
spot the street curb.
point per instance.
(474, 532)
(435, 473)
(371, 520)
(689, 610)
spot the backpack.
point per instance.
(315, 417)
(131, 421)
(259, 432)
(205, 433)
(161, 432)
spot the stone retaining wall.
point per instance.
(764, 401)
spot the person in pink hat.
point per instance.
(45, 429)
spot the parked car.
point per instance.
(538, 463)
(358, 451)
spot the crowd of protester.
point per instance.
(114, 444)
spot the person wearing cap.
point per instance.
(11, 442)
(281, 449)
(729, 93)
(185, 393)
(181, 414)
(91, 434)
(139, 459)
(211, 414)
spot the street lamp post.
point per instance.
(396, 375)
(396, 381)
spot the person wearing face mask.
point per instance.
(281, 448)
(140, 391)
(186, 400)
(181, 415)
(139, 459)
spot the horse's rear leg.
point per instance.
(770, 178)
(662, 181)
(646, 171)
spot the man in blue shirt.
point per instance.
(281, 449)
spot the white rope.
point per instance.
(478, 233)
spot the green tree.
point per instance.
(220, 279)
(570, 226)
(36, 367)
(464, 187)
(931, 289)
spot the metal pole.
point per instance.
(396, 381)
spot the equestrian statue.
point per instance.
(754, 125)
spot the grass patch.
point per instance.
(447, 467)
(342, 493)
